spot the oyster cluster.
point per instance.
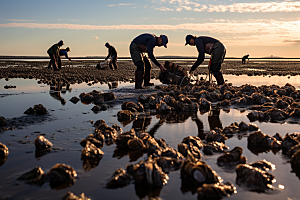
(38, 109)
(3, 153)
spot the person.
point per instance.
(212, 47)
(139, 48)
(114, 55)
(244, 58)
(53, 53)
(63, 52)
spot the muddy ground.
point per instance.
(79, 71)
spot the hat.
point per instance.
(188, 38)
(61, 42)
(106, 44)
(165, 40)
(68, 49)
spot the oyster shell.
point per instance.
(214, 136)
(168, 164)
(91, 151)
(215, 191)
(119, 179)
(42, 143)
(61, 176)
(212, 147)
(263, 165)
(135, 143)
(254, 178)
(295, 160)
(71, 196)
(260, 139)
(3, 153)
(35, 175)
(198, 173)
(232, 157)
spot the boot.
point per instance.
(115, 65)
(147, 77)
(219, 78)
(49, 66)
(110, 66)
(139, 76)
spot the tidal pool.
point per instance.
(67, 124)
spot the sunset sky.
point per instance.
(259, 28)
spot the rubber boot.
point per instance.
(115, 65)
(49, 66)
(110, 66)
(147, 77)
(219, 78)
(139, 77)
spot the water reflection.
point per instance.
(151, 192)
(56, 88)
(214, 119)
(112, 85)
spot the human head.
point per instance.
(164, 40)
(68, 49)
(188, 38)
(107, 44)
(61, 43)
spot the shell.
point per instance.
(135, 143)
(198, 173)
(288, 142)
(91, 151)
(260, 139)
(71, 196)
(212, 147)
(119, 179)
(168, 164)
(42, 143)
(232, 157)
(61, 174)
(295, 160)
(213, 136)
(33, 176)
(253, 178)
(263, 165)
(215, 191)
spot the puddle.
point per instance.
(70, 123)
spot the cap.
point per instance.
(68, 49)
(165, 40)
(188, 38)
(61, 42)
(106, 44)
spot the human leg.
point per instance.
(114, 61)
(137, 60)
(147, 75)
(218, 54)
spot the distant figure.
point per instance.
(114, 55)
(213, 47)
(53, 52)
(139, 46)
(63, 52)
(244, 58)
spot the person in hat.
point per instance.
(53, 53)
(212, 47)
(114, 55)
(63, 52)
(139, 48)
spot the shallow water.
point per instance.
(68, 123)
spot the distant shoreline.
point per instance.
(122, 58)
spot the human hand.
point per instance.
(69, 59)
(162, 68)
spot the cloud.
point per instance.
(20, 20)
(266, 7)
(121, 4)
(239, 33)
(95, 38)
(164, 9)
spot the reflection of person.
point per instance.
(244, 58)
(56, 88)
(114, 55)
(214, 119)
(212, 47)
(145, 43)
(53, 53)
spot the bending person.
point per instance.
(212, 47)
(114, 55)
(142, 44)
(53, 52)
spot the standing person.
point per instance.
(63, 52)
(145, 43)
(212, 47)
(114, 55)
(53, 52)
(244, 58)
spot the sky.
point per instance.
(260, 28)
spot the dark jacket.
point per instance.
(111, 51)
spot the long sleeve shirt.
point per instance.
(200, 43)
(147, 40)
(54, 50)
(63, 52)
(111, 51)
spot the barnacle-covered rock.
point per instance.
(253, 178)
(295, 160)
(263, 165)
(232, 157)
(214, 147)
(125, 115)
(260, 139)
(38, 109)
(198, 173)
(293, 150)
(71, 196)
(61, 175)
(243, 126)
(204, 104)
(133, 107)
(168, 164)
(119, 179)
(35, 175)
(97, 139)
(215, 136)
(215, 191)
(288, 142)
(42, 143)
(135, 143)
(91, 151)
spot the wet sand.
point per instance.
(67, 124)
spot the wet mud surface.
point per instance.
(67, 124)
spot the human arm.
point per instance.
(200, 48)
(109, 53)
(150, 47)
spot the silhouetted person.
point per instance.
(114, 55)
(244, 58)
(53, 53)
